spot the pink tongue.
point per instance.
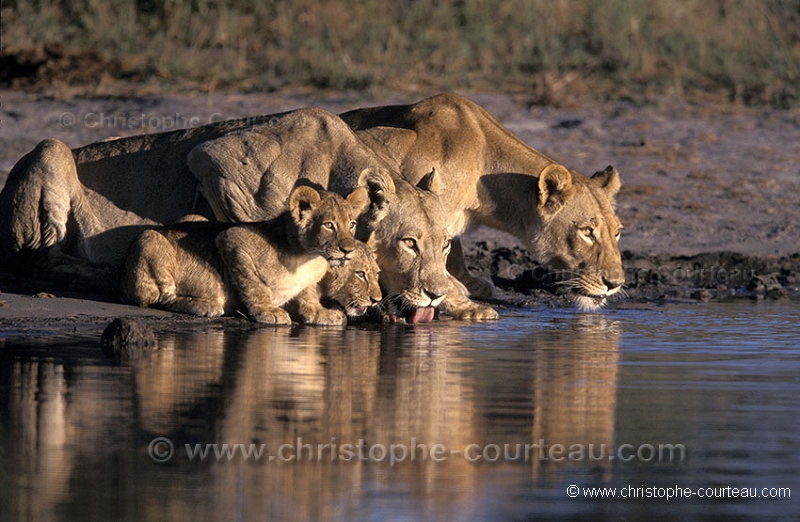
(421, 315)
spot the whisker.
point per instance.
(618, 295)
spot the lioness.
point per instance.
(247, 175)
(493, 178)
(72, 214)
(209, 269)
(75, 213)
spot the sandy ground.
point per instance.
(709, 200)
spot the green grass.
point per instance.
(745, 51)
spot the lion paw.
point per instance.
(191, 305)
(326, 317)
(476, 312)
(276, 316)
(205, 308)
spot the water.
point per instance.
(414, 423)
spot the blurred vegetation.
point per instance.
(554, 51)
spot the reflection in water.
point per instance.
(39, 428)
(575, 397)
(342, 402)
(77, 431)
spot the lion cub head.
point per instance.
(353, 287)
(578, 234)
(326, 222)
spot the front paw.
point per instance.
(474, 312)
(205, 308)
(325, 317)
(275, 316)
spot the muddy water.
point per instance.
(449, 421)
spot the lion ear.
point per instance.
(608, 180)
(432, 182)
(303, 200)
(379, 184)
(555, 186)
(359, 200)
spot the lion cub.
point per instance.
(352, 288)
(211, 269)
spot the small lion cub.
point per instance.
(210, 269)
(352, 288)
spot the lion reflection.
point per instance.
(79, 430)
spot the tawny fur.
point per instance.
(210, 269)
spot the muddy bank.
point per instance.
(521, 280)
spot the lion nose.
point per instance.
(432, 295)
(611, 284)
(347, 247)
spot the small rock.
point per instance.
(128, 338)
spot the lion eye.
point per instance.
(447, 244)
(352, 225)
(328, 225)
(587, 233)
(410, 242)
(361, 275)
(618, 234)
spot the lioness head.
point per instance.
(354, 287)
(579, 232)
(411, 242)
(326, 222)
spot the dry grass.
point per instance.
(746, 51)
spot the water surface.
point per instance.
(438, 422)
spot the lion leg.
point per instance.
(476, 287)
(200, 306)
(147, 275)
(36, 199)
(207, 300)
(152, 278)
(235, 177)
(43, 215)
(312, 312)
(462, 308)
(254, 293)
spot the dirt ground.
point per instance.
(709, 200)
